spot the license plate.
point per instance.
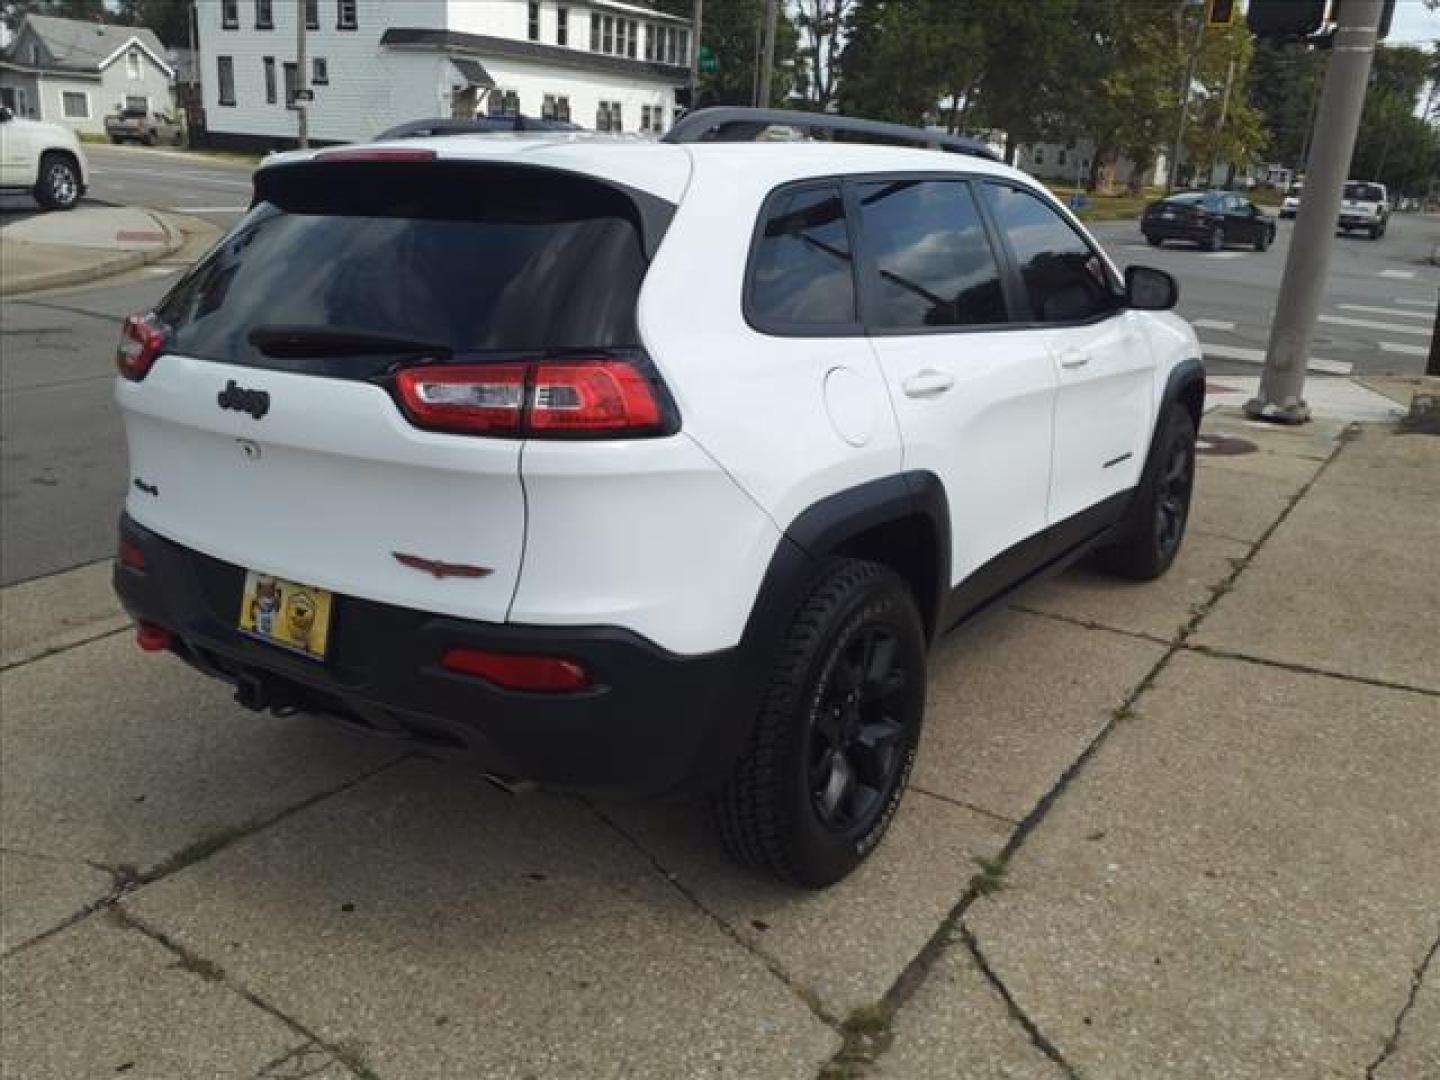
(1167, 214)
(286, 613)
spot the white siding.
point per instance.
(370, 87)
(532, 81)
(153, 83)
(53, 89)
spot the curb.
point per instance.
(106, 266)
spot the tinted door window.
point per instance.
(801, 274)
(1065, 280)
(928, 260)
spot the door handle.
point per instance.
(928, 382)
(1073, 358)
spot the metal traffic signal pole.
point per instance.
(302, 106)
(695, 31)
(1282, 382)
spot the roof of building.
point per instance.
(455, 41)
(77, 45)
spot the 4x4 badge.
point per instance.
(254, 402)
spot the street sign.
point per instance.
(709, 62)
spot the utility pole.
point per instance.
(194, 98)
(767, 55)
(1432, 365)
(1282, 382)
(699, 22)
(1220, 124)
(302, 81)
(1173, 173)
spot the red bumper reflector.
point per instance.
(515, 671)
(152, 638)
(131, 555)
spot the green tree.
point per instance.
(820, 26)
(1395, 145)
(732, 30)
(1224, 128)
(170, 19)
(12, 12)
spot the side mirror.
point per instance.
(1148, 289)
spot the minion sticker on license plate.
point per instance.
(286, 613)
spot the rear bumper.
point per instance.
(655, 722)
(1357, 221)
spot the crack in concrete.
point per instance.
(1393, 1042)
(810, 999)
(69, 309)
(1091, 624)
(29, 658)
(210, 971)
(1032, 1030)
(913, 976)
(962, 804)
(127, 880)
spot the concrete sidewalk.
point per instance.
(1183, 829)
(49, 250)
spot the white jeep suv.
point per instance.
(40, 159)
(643, 467)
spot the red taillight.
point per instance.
(543, 398)
(382, 153)
(151, 637)
(517, 671)
(142, 339)
(131, 555)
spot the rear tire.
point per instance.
(1154, 241)
(1376, 231)
(838, 728)
(1156, 522)
(1216, 240)
(59, 185)
(1263, 241)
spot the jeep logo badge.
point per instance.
(254, 402)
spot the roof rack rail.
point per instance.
(444, 125)
(734, 124)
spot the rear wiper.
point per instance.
(294, 341)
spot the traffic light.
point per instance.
(1220, 12)
(1285, 19)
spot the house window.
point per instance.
(132, 64)
(684, 47)
(137, 103)
(76, 105)
(1038, 156)
(292, 84)
(632, 39)
(602, 116)
(230, 14)
(312, 14)
(264, 15)
(547, 107)
(562, 26)
(650, 32)
(503, 103)
(269, 63)
(34, 55)
(644, 117)
(562, 108)
(607, 34)
(320, 71)
(345, 17)
(226, 72)
(555, 107)
(620, 25)
(1060, 158)
(534, 24)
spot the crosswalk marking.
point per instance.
(1212, 324)
(1385, 311)
(1257, 356)
(1404, 275)
(1403, 350)
(1371, 324)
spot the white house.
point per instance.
(1069, 163)
(603, 64)
(74, 72)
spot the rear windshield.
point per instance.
(474, 259)
(1195, 198)
(1365, 192)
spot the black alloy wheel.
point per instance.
(1172, 502)
(854, 748)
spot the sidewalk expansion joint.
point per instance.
(1305, 669)
(24, 659)
(1091, 624)
(963, 805)
(914, 974)
(1394, 1040)
(67, 308)
(210, 971)
(128, 879)
(805, 994)
(1037, 1037)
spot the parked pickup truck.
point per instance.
(142, 126)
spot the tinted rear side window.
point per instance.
(928, 256)
(476, 259)
(801, 278)
(1065, 279)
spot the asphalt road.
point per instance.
(62, 450)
